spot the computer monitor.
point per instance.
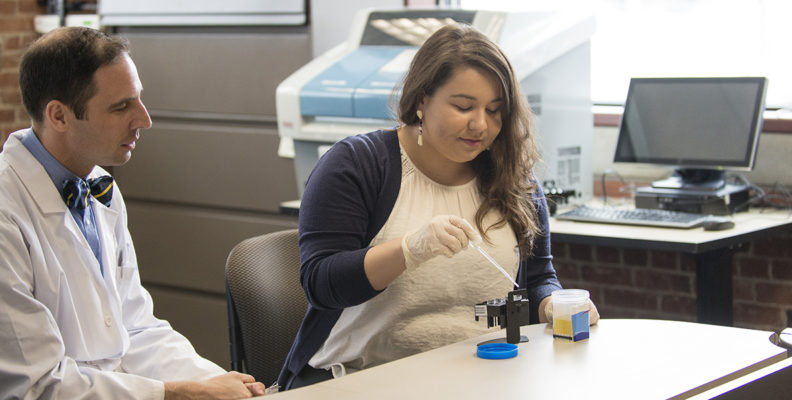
(699, 126)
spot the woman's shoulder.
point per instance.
(371, 147)
(386, 138)
(364, 151)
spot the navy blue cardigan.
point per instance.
(347, 200)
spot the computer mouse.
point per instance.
(717, 224)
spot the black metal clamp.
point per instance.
(511, 313)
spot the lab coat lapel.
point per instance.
(34, 177)
(105, 222)
(43, 192)
(48, 199)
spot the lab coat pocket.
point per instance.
(125, 270)
(124, 276)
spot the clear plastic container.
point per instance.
(570, 314)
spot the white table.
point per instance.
(771, 382)
(623, 359)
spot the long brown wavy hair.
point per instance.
(504, 172)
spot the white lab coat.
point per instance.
(66, 331)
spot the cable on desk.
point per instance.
(756, 193)
(624, 188)
(778, 193)
(778, 197)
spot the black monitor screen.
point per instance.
(710, 123)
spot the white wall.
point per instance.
(330, 19)
(330, 22)
(773, 162)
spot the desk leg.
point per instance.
(714, 298)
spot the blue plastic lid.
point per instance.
(497, 351)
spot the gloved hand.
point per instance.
(593, 313)
(444, 234)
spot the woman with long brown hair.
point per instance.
(380, 209)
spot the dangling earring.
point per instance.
(420, 127)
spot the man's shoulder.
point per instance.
(13, 195)
(9, 180)
(13, 155)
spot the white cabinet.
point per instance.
(207, 174)
(202, 12)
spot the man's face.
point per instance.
(114, 115)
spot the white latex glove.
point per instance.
(593, 313)
(444, 234)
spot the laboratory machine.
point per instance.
(353, 88)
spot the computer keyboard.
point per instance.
(634, 216)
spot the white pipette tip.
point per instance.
(493, 262)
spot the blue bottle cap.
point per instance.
(497, 351)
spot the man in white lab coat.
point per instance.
(75, 321)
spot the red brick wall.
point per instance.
(630, 283)
(16, 33)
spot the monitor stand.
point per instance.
(693, 179)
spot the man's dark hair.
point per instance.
(61, 65)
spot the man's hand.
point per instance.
(229, 386)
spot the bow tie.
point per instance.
(75, 192)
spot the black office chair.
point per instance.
(266, 303)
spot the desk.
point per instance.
(713, 251)
(623, 359)
(771, 382)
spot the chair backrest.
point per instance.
(266, 303)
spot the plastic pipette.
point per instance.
(495, 263)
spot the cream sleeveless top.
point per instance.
(432, 305)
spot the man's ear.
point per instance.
(58, 115)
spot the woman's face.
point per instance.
(463, 117)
